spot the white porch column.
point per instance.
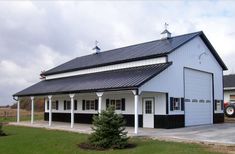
(99, 94)
(32, 109)
(50, 109)
(18, 110)
(72, 109)
(136, 98)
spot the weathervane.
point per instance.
(96, 48)
(166, 24)
(96, 43)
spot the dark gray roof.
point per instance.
(129, 78)
(229, 81)
(130, 53)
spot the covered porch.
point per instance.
(78, 98)
(79, 108)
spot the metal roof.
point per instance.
(155, 48)
(229, 81)
(128, 78)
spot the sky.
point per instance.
(39, 35)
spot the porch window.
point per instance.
(67, 105)
(90, 104)
(55, 105)
(118, 104)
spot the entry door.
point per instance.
(148, 113)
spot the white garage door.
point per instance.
(198, 98)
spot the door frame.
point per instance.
(143, 107)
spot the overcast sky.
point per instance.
(36, 36)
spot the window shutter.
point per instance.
(182, 104)
(123, 104)
(216, 105)
(47, 105)
(107, 103)
(222, 105)
(171, 103)
(64, 105)
(96, 104)
(57, 105)
(69, 105)
(83, 104)
(75, 104)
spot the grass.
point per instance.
(22, 118)
(24, 140)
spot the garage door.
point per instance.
(198, 97)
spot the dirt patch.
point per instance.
(228, 149)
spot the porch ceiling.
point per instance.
(123, 79)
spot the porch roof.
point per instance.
(123, 79)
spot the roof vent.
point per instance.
(96, 48)
(166, 34)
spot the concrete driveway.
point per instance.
(217, 133)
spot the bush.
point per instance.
(109, 130)
(1, 131)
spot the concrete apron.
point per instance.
(209, 134)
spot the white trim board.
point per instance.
(110, 67)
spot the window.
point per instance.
(194, 100)
(201, 101)
(176, 104)
(89, 104)
(67, 105)
(119, 104)
(232, 98)
(148, 107)
(55, 105)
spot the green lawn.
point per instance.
(23, 140)
(22, 118)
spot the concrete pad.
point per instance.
(217, 133)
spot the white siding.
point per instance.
(172, 81)
(160, 102)
(109, 67)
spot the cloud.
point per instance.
(39, 35)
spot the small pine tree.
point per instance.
(109, 130)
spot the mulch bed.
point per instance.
(88, 146)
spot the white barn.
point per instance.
(168, 83)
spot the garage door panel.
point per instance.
(198, 86)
